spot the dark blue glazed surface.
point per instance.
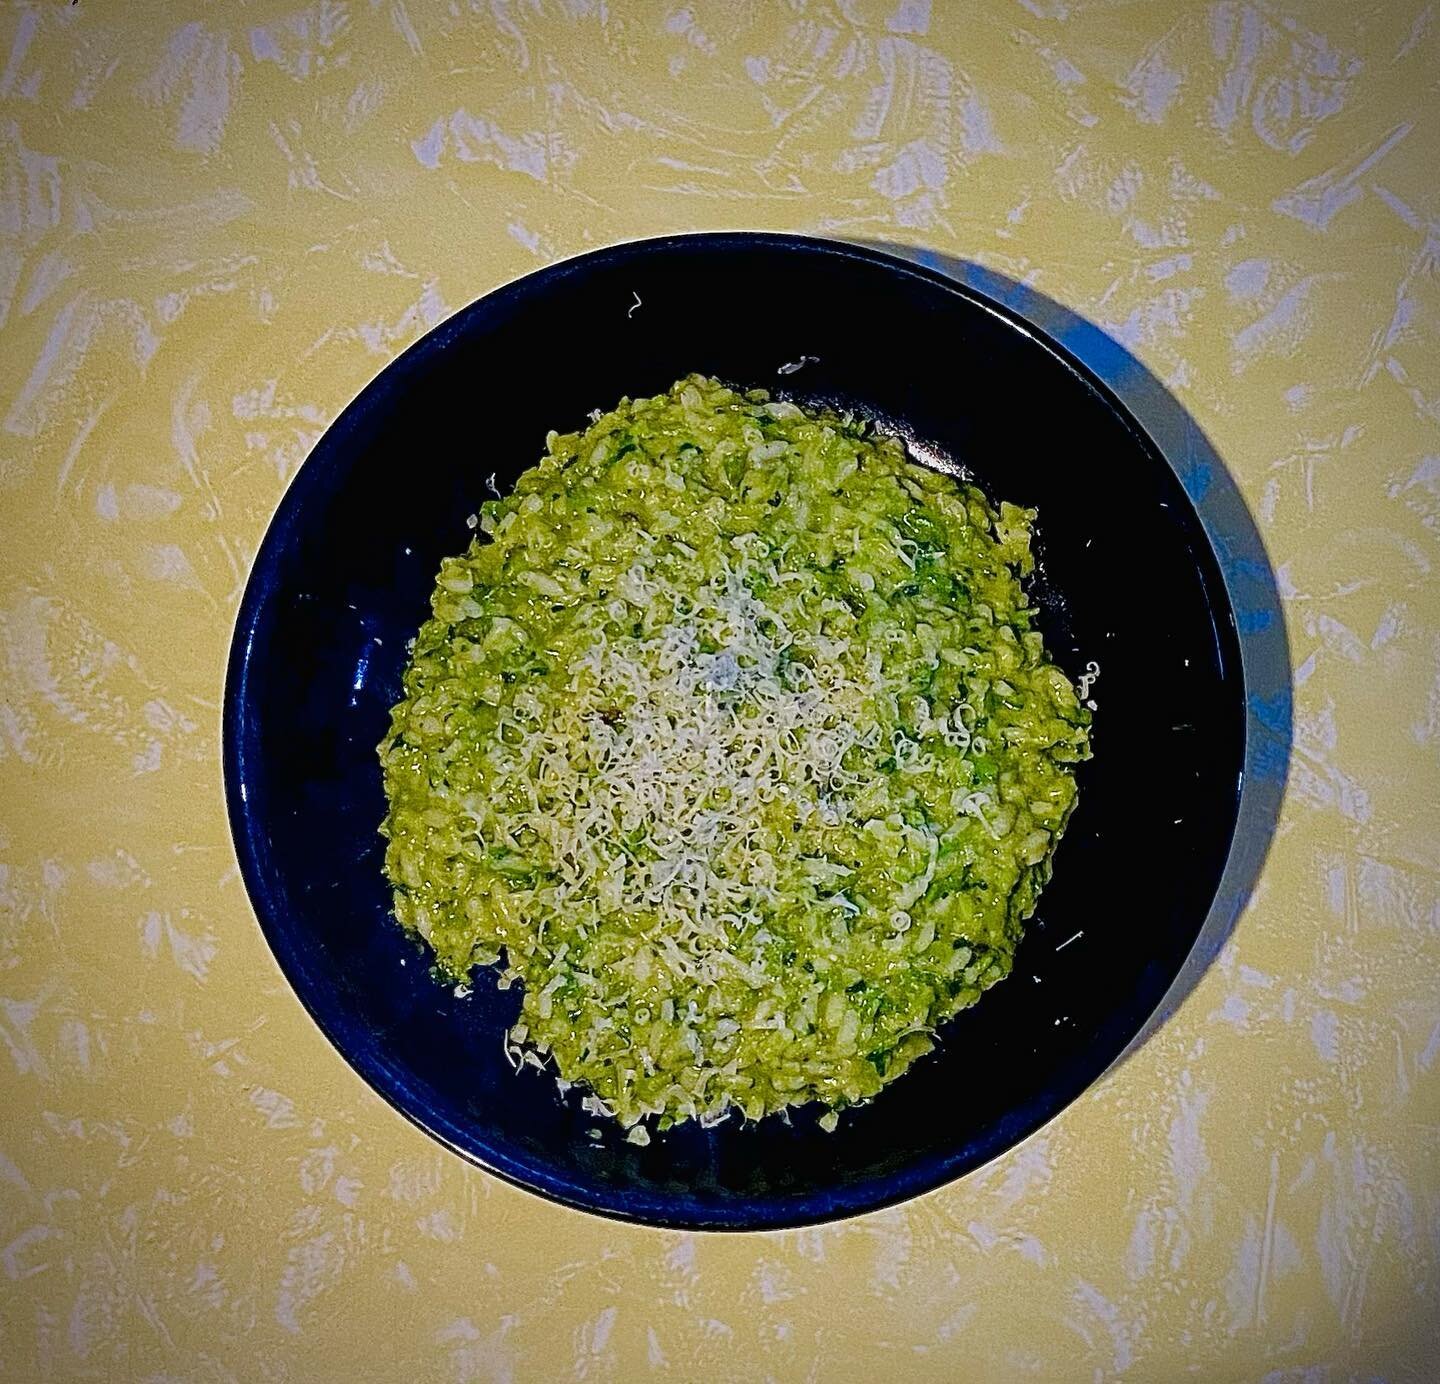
(1128, 579)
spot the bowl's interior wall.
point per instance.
(1127, 580)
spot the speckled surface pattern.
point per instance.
(217, 221)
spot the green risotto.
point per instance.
(730, 740)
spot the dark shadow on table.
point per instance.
(1260, 621)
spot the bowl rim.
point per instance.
(656, 1209)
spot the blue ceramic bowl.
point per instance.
(342, 582)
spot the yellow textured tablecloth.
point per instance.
(219, 220)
